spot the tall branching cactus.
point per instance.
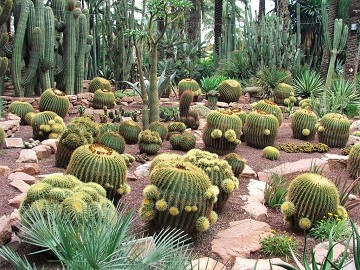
(5, 12)
(338, 43)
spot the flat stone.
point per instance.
(11, 116)
(4, 171)
(256, 209)
(142, 171)
(27, 156)
(16, 201)
(29, 169)
(322, 249)
(9, 124)
(128, 99)
(202, 123)
(261, 264)
(20, 185)
(353, 140)
(42, 151)
(53, 143)
(131, 177)
(248, 172)
(206, 263)
(241, 239)
(13, 142)
(222, 104)
(5, 230)
(29, 179)
(355, 125)
(124, 103)
(256, 189)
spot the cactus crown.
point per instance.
(100, 149)
(58, 92)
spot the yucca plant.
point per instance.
(269, 78)
(308, 83)
(106, 243)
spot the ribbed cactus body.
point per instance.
(149, 142)
(54, 100)
(270, 152)
(180, 196)
(103, 98)
(192, 120)
(175, 128)
(28, 117)
(270, 107)
(114, 141)
(102, 165)
(164, 157)
(236, 162)
(183, 142)
(212, 98)
(185, 101)
(130, 130)
(312, 196)
(99, 83)
(281, 92)
(303, 124)
(2, 137)
(260, 129)
(189, 84)
(228, 128)
(334, 130)
(354, 161)
(20, 108)
(219, 172)
(229, 91)
(39, 119)
(159, 128)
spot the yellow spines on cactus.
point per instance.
(160, 128)
(354, 161)
(103, 98)
(149, 142)
(270, 107)
(236, 162)
(271, 153)
(281, 92)
(130, 130)
(189, 84)
(54, 100)
(334, 130)
(229, 91)
(164, 157)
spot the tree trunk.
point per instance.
(283, 12)
(193, 21)
(218, 26)
(154, 94)
(261, 9)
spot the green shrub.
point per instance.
(211, 83)
(269, 78)
(275, 191)
(278, 244)
(237, 65)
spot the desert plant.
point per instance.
(189, 84)
(282, 92)
(130, 130)
(149, 142)
(303, 147)
(175, 128)
(189, 118)
(308, 83)
(212, 97)
(113, 140)
(164, 157)
(202, 110)
(269, 78)
(270, 152)
(159, 128)
(236, 162)
(211, 83)
(47, 125)
(354, 161)
(20, 108)
(275, 191)
(54, 100)
(168, 113)
(303, 124)
(270, 107)
(2, 137)
(103, 97)
(229, 91)
(333, 130)
(237, 65)
(99, 83)
(278, 244)
(183, 142)
(102, 165)
(2, 108)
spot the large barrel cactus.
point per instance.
(303, 124)
(20, 108)
(309, 199)
(130, 130)
(54, 100)
(270, 107)
(180, 196)
(229, 91)
(222, 132)
(281, 92)
(183, 142)
(219, 172)
(164, 157)
(189, 84)
(260, 129)
(334, 130)
(103, 98)
(354, 161)
(99, 83)
(47, 125)
(113, 140)
(100, 164)
(149, 142)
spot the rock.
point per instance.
(254, 207)
(29, 179)
(202, 123)
(15, 242)
(29, 169)
(11, 116)
(53, 143)
(27, 156)
(355, 125)
(15, 218)
(352, 197)
(241, 239)
(353, 140)
(16, 201)
(142, 171)
(222, 104)
(256, 189)
(261, 264)
(253, 90)
(131, 177)
(20, 185)
(124, 103)
(322, 249)
(248, 172)
(244, 99)
(4, 171)
(42, 151)
(5, 230)
(336, 161)
(9, 124)
(206, 263)
(128, 99)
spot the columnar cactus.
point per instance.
(270, 107)
(260, 129)
(281, 92)
(270, 152)
(310, 198)
(103, 98)
(180, 196)
(236, 162)
(54, 100)
(130, 130)
(354, 161)
(229, 91)
(47, 125)
(222, 132)
(334, 130)
(113, 140)
(99, 83)
(21, 108)
(159, 128)
(185, 101)
(219, 172)
(102, 165)
(303, 124)
(149, 142)
(189, 84)
(184, 141)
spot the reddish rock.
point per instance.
(53, 143)
(20, 185)
(42, 151)
(248, 172)
(4, 171)
(322, 249)
(131, 177)
(5, 230)
(244, 99)
(16, 201)
(128, 99)
(206, 263)
(261, 264)
(27, 156)
(29, 179)
(29, 169)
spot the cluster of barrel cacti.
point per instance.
(222, 132)
(175, 128)
(354, 161)
(183, 142)
(309, 199)
(229, 91)
(68, 195)
(47, 125)
(21, 109)
(130, 130)
(149, 142)
(54, 100)
(334, 130)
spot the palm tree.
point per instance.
(217, 26)
(283, 11)
(261, 9)
(193, 21)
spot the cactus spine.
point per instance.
(236, 162)
(149, 142)
(130, 130)
(54, 100)
(103, 98)
(229, 91)
(114, 141)
(270, 107)
(184, 141)
(20, 108)
(303, 124)
(354, 161)
(281, 92)
(159, 128)
(334, 130)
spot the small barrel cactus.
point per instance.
(229, 91)
(28, 118)
(354, 161)
(47, 125)
(222, 132)
(219, 172)
(113, 140)
(260, 129)
(303, 124)
(270, 152)
(21, 108)
(103, 98)
(100, 164)
(54, 100)
(236, 162)
(164, 157)
(305, 104)
(270, 107)
(189, 84)
(99, 83)
(2, 137)
(130, 130)
(149, 142)
(159, 128)
(175, 128)
(181, 196)
(183, 142)
(310, 198)
(192, 120)
(281, 92)
(334, 130)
